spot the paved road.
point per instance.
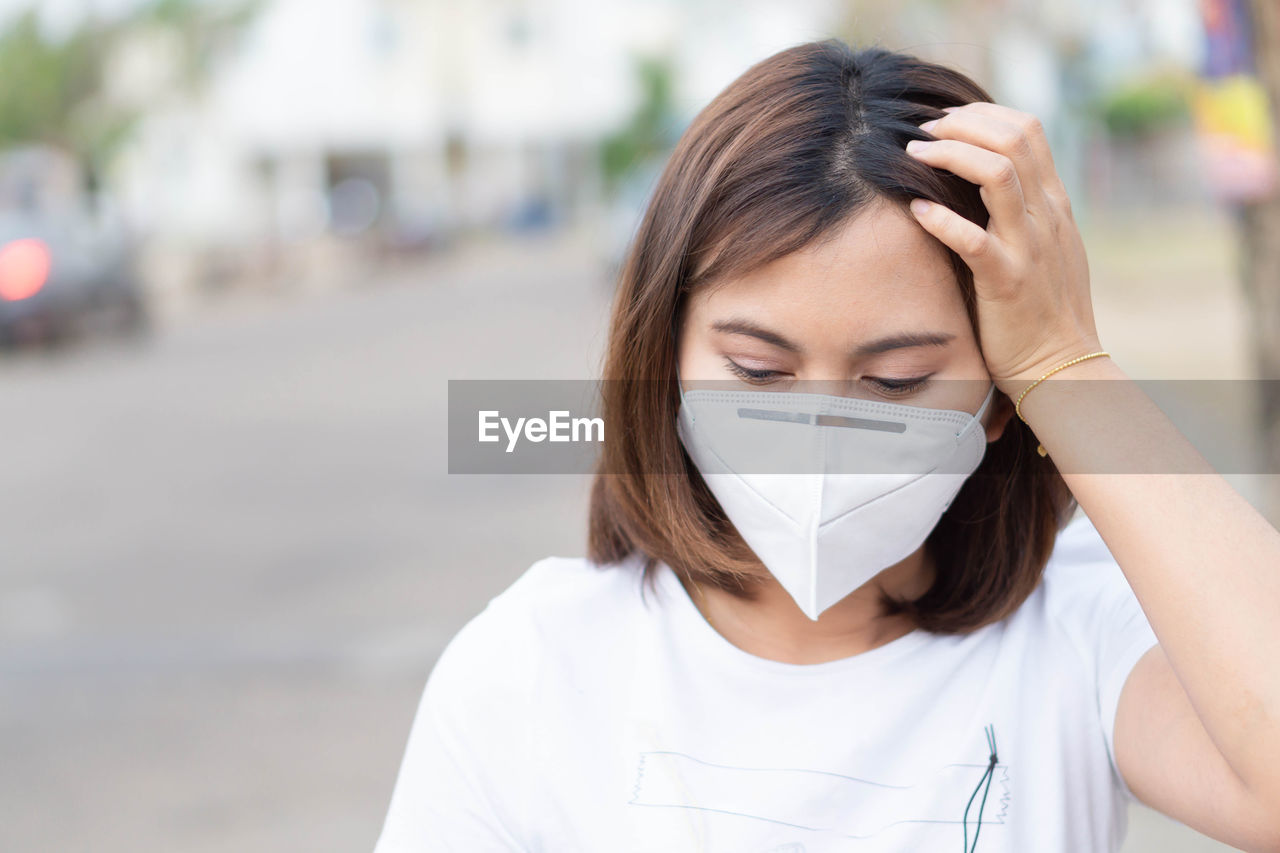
(229, 556)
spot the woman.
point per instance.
(767, 651)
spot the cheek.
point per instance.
(697, 359)
(969, 360)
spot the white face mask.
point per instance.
(828, 491)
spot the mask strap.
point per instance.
(982, 410)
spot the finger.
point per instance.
(998, 135)
(995, 175)
(1034, 132)
(975, 246)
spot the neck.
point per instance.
(773, 627)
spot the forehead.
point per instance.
(880, 267)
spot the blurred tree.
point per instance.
(203, 29)
(1260, 223)
(1146, 105)
(46, 86)
(652, 129)
(52, 90)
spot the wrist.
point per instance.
(1024, 377)
(1036, 397)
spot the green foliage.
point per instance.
(652, 128)
(51, 92)
(203, 29)
(42, 84)
(1145, 106)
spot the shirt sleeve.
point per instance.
(1103, 613)
(462, 779)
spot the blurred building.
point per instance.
(351, 125)
(404, 120)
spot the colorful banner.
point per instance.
(1231, 110)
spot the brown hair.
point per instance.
(790, 150)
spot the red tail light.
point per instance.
(24, 268)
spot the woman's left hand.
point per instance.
(1029, 266)
(1201, 562)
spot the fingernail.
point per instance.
(919, 206)
(929, 125)
(949, 109)
(915, 146)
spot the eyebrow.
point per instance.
(903, 340)
(745, 327)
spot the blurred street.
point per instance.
(231, 553)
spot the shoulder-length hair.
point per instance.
(793, 148)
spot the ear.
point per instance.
(999, 416)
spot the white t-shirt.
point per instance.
(583, 711)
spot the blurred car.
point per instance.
(66, 267)
(61, 277)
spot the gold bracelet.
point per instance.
(1017, 407)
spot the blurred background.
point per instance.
(244, 245)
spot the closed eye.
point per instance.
(754, 376)
(898, 387)
(882, 385)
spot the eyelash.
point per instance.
(889, 387)
(901, 387)
(749, 375)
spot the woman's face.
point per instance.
(874, 312)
